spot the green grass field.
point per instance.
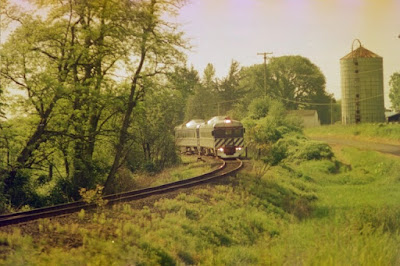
(357, 215)
(386, 133)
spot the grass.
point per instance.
(338, 211)
(383, 132)
(190, 167)
(354, 222)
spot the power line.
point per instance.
(311, 103)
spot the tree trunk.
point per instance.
(123, 135)
(36, 139)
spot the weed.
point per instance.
(93, 196)
(81, 214)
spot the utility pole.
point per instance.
(332, 109)
(265, 70)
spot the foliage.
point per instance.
(153, 129)
(158, 47)
(293, 80)
(394, 93)
(267, 123)
(76, 114)
(19, 190)
(93, 196)
(214, 96)
(203, 103)
(186, 81)
(259, 107)
(297, 147)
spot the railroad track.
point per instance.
(226, 168)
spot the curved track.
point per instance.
(226, 168)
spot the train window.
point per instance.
(228, 133)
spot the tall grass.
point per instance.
(338, 211)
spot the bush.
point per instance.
(298, 147)
(267, 123)
(62, 192)
(314, 150)
(19, 191)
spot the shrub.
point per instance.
(314, 150)
(62, 192)
(19, 191)
(93, 196)
(298, 147)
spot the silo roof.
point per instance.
(361, 52)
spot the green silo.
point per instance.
(362, 87)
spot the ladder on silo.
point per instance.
(356, 84)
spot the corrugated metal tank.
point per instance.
(362, 87)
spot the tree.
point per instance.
(295, 80)
(203, 104)
(229, 91)
(394, 93)
(185, 81)
(34, 61)
(154, 127)
(155, 47)
(322, 102)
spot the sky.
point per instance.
(322, 30)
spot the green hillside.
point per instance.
(340, 210)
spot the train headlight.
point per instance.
(239, 148)
(221, 149)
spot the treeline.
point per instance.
(100, 86)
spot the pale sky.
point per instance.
(321, 30)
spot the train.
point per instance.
(220, 136)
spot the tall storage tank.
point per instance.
(362, 87)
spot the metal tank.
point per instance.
(362, 86)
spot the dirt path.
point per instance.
(363, 145)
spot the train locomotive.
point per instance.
(220, 136)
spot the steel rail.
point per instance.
(61, 209)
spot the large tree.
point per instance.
(155, 47)
(295, 80)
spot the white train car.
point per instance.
(187, 136)
(220, 136)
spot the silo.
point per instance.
(362, 87)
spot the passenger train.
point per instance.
(220, 136)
